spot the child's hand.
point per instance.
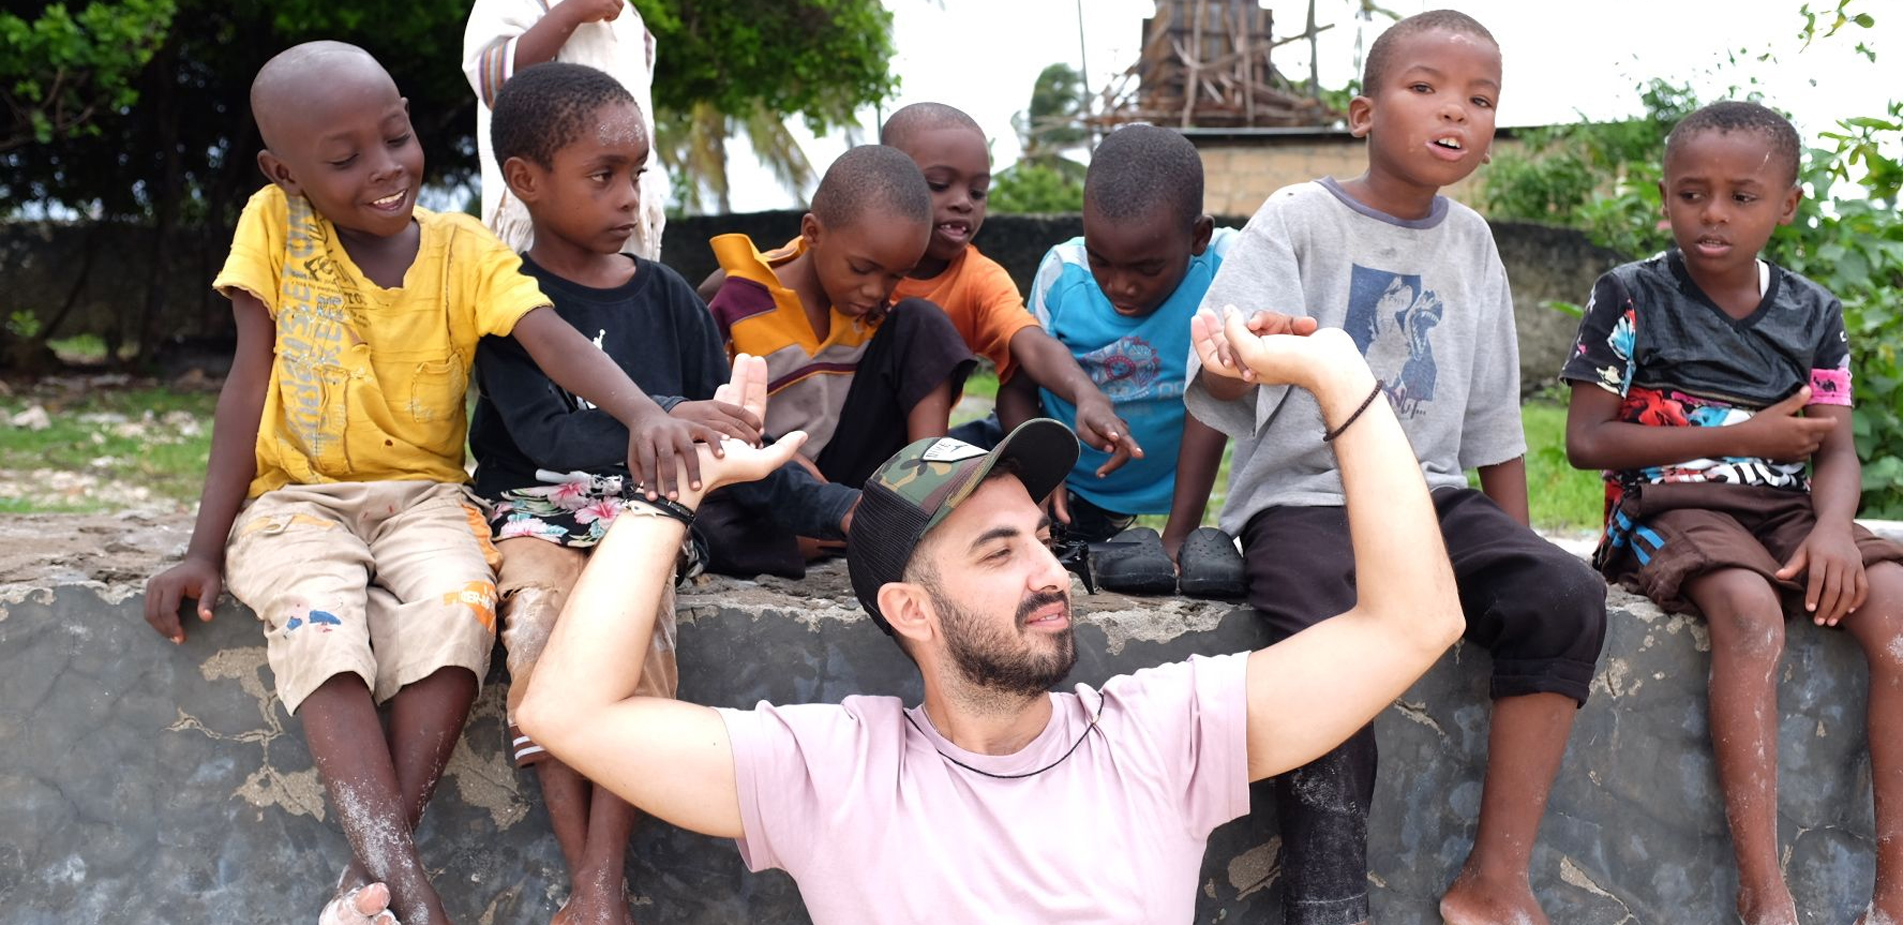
(198, 579)
(1213, 339)
(592, 10)
(1837, 584)
(1780, 434)
(1059, 505)
(729, 419)
(1099, 426)
(656, 441)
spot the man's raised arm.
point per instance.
(672, 759)
(1311, 691)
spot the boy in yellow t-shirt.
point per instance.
(340, 434)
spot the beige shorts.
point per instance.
(534, 582)
(390, 581)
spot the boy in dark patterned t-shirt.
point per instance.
(1704, 380)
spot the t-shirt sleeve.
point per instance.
(492, 276)
(794, 768)
(1830, 363)
(1491, 431)
(489, 43)
(1041, 305)
(1259, 273)
(543, 423)
(1189, 722)
(1602, 353)
(1001, 315)
(257, 249)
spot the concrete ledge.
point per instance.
(144, 782)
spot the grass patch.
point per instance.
(104, 440)
(104, 445)
(1560, 498)
(80, 348)
(982, 383)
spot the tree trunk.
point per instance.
(162, 96)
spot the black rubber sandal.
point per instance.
(1211, 566)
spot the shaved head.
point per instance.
(299, 78)
(921, 117)
(872, 180)
(1381, 53)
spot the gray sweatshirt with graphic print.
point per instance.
(1426, 300)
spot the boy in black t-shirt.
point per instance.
(572, 147)
(1704, 380)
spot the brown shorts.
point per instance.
(389, 581)
(534, 583)
(1671, 533)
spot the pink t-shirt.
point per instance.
(875, 825)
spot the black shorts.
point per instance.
(1538, 609)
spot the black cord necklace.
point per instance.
(1061, 759)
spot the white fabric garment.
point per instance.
(622, 47)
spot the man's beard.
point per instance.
(1006, 660)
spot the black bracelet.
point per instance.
(668, 507)
(1330, 436)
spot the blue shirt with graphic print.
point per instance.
(1139, 363)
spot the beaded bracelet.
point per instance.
(1330, 436)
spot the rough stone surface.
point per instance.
(145, 782)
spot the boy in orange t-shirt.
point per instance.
(976, 293)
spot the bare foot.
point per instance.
(1478, 900)
(1882, 913)
(1770, 907)
(366, 905)
(597, 904)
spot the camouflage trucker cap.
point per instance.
(920, 485)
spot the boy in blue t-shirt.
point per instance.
(1120, 299)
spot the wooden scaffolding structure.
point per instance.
(1205, 64)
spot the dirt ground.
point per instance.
(118, 550)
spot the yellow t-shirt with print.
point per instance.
(368, 383)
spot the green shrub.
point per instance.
(1847, 237)
(1853, 246)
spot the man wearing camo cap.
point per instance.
(997, 799)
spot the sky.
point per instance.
(1561, 60)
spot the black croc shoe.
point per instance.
(1211, 565)
(1133, 562)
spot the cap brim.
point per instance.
(1043, 452)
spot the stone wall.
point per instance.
(146, 782)
(1242, 169)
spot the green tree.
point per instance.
(1044, 180)
(1852, 244)
(176, 151)
(1602, 176)
(61, 70)
(1025, 188)
(728, 68)
(1054, 122)
(167, 139)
